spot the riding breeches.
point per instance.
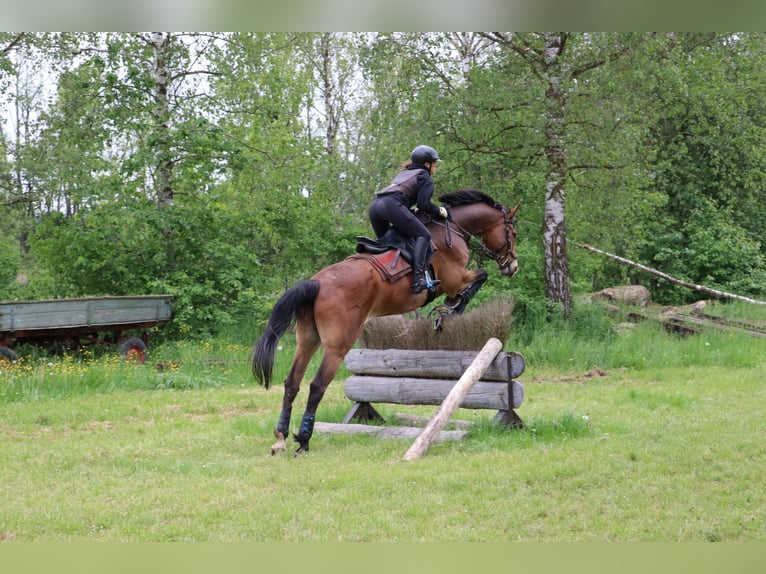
(387, 210)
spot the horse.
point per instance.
(331, 307)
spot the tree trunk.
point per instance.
(326, 73)
(164, 181)
(554, 223)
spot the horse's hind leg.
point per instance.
(327, 369)
(283, 426)
(307, 342)
(341, 329)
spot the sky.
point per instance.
(381, 15)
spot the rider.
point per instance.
(412, 186)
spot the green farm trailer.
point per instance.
(119, 321)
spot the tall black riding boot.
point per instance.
(421, 257)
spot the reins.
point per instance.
(479, 246)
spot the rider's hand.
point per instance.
(443, 212)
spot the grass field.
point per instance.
(668, 445)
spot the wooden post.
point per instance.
(454, 398)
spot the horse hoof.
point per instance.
(280, 445)
(301, 450)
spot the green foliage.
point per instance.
(591, 339)
(709, 169)
(190, 251)
(543, 335)
(664, 144)
(10, 263)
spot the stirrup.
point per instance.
(430, 284)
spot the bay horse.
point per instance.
(330, 308)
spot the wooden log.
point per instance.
(698, 324)
(392, 432)
(409, 420)
(412, 391)
(431, 364)
(454, 398)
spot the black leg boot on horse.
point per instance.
(421, 255)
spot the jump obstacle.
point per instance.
(450, 379)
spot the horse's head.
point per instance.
(495, 224)
(505, 255)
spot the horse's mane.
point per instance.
(466, 197)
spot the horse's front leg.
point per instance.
(465, 296)
(458, 303)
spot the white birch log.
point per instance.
(454, 398)
(700, 288)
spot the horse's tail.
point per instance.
(291, 305)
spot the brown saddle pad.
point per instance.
(391, 266)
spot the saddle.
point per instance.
(391, 239)
(391, 255)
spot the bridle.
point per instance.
(505, 255)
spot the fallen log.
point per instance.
(407, 419)
(709, 322)
(700, 288)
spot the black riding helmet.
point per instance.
(423, 153)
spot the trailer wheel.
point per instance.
(7, 354)
(133, 349)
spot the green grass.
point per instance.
(667, 446)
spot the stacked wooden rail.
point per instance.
(426, 377)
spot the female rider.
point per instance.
(392, 205)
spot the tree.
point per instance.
(559, 61)
(145, 216)
(709, 164)
(223, 167)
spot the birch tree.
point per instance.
(558, 60)
(554, 221)
(161, 116)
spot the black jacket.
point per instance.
(415, 186)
